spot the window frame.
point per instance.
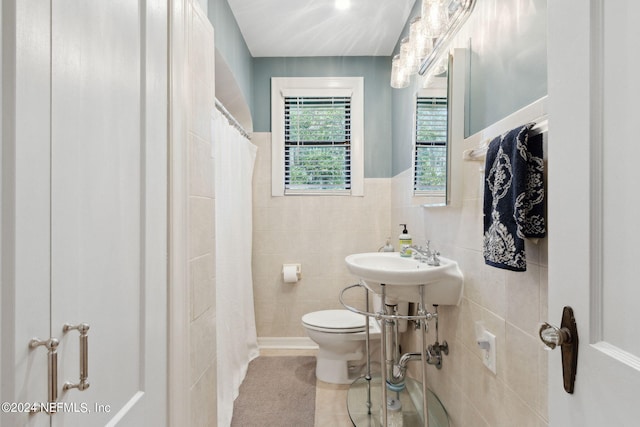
(436, 89)
(282, 87)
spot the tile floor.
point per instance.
(331, 399)
(331, 405)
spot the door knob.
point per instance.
(566, 336)
(553, 336)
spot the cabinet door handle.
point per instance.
(52, 366)
(83, 384)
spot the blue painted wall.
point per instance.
(254, 78)
(508, 69)
(377, 98)
(402, 107)
(231, 45)
(507, 72)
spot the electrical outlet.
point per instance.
(487, 343)
(489, 354)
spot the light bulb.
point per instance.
(422, 44)
(399, 78)
(408, 57)
(435, 17)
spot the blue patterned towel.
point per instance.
(513, 197)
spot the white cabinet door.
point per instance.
(89, 208)
(105, 210)
(593, 207)
(25, 225)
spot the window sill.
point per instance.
(319, 193)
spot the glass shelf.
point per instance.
(410, 397)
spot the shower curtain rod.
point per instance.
(232, 120)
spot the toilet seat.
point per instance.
(335, 321)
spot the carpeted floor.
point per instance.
(277, 391)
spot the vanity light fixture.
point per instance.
(429, 38)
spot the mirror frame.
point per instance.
(457, 77)
(438, 87)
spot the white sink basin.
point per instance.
(402, 277)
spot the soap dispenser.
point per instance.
(405, 242)
(388, 247)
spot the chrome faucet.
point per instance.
(426, 254)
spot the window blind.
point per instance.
(317, 144)
(430, 162)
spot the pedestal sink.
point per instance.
(402, 277)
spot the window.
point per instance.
(317, 136)
(317, 143)
(430, 154)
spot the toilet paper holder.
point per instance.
(287, 270)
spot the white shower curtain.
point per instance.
(234, 157)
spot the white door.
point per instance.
(594, 203)
(91, 138)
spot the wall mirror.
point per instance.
(430, 134)
(438, 134)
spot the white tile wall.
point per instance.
(201, 231)
(510, 304)
(317, 232)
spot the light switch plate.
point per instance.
(489, 355)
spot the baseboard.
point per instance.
(293, 343)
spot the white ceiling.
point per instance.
(290, 28)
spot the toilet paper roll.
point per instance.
(290, 273)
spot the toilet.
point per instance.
(340, 335)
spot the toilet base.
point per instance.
(341, 343)
(344, 369)
(333, 371)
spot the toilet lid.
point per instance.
(335, 319)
